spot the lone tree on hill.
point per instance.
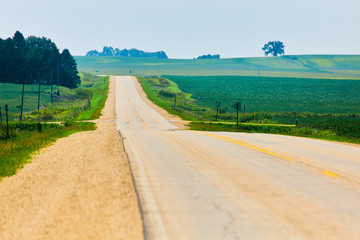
(274, 48)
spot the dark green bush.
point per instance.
(167, 94)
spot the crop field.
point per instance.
(269, 94)
(306, 66)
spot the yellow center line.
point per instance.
(147, 126)
(250, 146)
(265, 150)
(137, 113)
(331, 174)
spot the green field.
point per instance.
(306, 66)
(269, 94)
(10, 94)
(71, 104)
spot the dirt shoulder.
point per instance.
(78, 188)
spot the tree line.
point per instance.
(209, 56)
(36, 59)
(110, 51)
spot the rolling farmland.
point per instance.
(317, 66)
(274, 94)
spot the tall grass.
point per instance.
(99, 96)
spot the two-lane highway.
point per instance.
(215, 185)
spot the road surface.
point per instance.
(216, 185)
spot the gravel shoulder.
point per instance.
(80, 187)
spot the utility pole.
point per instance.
(237, 114)
(61, 75)
(51, 84)
(7, 121)
(38, 91)
(58, 67)
(22, 97)
(217, 104)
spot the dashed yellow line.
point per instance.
(147, 126)
(242, 143)
(265, 150)
(331, 174)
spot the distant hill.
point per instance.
(305, 66)
(111, 52)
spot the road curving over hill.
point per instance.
(217, 185)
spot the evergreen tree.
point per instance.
(19, 65)
(70, 77)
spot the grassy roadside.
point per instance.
(99, 96)
(30, 136)
(162, 92)
(273, 129)
(333, 127)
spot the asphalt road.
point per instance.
(216, 185)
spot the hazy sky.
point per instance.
(189, 28)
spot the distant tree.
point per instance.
(209, 56)
(124, 53)
(70, 77)
(161, 54)
(274, 48)
(134, 53)
(109, 51)
(93, 53)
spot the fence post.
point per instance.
(7, 121)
